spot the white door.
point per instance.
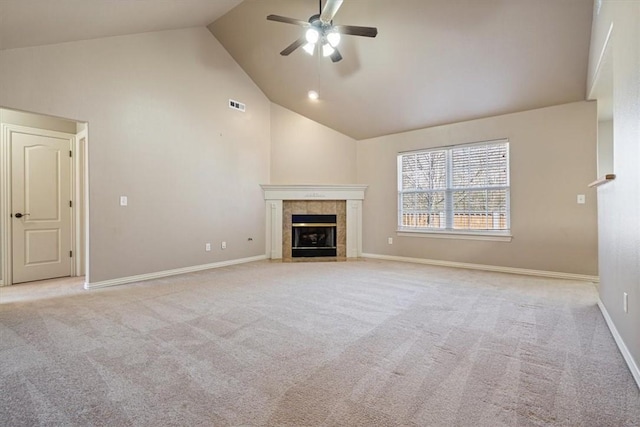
(40, 205)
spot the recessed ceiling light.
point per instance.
(313, 95)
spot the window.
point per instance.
(463, 188)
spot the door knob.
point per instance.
(19, 215)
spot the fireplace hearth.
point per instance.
(313, 236)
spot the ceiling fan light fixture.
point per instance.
(312, 35)
(327, 50)
(309, 48)
(333, 38)
(320, 33)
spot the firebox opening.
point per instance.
(313, 236)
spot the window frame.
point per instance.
(448, 231)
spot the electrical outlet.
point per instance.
(581, 199)
(390, 240)
(625, 302)
(223, 245)
(207, 247)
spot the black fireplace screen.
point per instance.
(313, 235)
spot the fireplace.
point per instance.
(313, 235)
(282, 201)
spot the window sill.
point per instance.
(462, 235)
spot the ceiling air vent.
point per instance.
(237, 105)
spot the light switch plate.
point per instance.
(123, 201)
(581, 199)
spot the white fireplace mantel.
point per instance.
(274, 195)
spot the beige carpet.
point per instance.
(363, 343)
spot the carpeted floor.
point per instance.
(363, 343)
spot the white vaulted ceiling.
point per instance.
(26, 23)
(433, 61)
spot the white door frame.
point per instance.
(80, 212)
(78, 187)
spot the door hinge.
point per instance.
(70, 153)
(70, 204)
(70, 254)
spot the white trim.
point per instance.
(462, 235)
(633, 367)
(167, 273)
(462, 145)
(354, 228)
(314, 192)
(596, 74)
(80, 212)
(483, 267)
(5, 204)
(274, 229)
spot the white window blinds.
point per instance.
(456, 188)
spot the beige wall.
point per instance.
(306, 152)
(619, 201)
(161, 133)
(553, 158)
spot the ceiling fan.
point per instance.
(321, 33)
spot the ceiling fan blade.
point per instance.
(353, 30)
(286, 20)
(293, 46)
(335, 56)
(330, 9)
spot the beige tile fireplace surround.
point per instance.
(314, 207)
(283, 201)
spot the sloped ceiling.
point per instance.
(25, 23)
(433, 61)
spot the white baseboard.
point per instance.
(633, 367)
(495, 268)
(167, 273)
